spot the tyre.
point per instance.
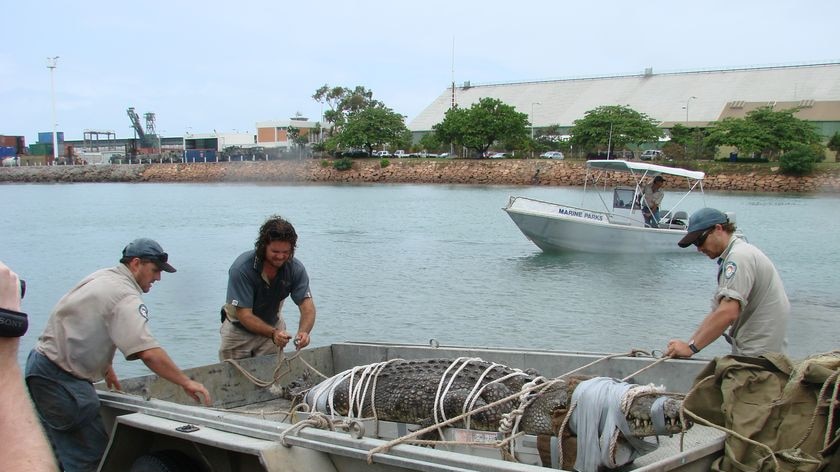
(166, 461)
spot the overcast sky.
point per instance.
(204, 66)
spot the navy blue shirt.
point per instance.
(247, 289)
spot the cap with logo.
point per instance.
(700, 221)
(150, 250)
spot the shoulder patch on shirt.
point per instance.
(729, 269)
(144, 311)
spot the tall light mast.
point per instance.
(51, 63)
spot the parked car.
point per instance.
(400, 153)
(498, 155)
(552, 155)
(652, 155)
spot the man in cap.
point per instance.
(102, 313)
(750, 299)
(259, 281)
(652, 196)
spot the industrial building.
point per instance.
(694, 98)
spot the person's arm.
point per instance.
(160, 363)
(256, 325)
(307, 322)
(25, 446)
(712, 327)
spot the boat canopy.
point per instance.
(643, 167)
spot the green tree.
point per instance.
(372, 127)
(430, 142)
(765, 131)
(342, 102)
(484, 123)
(800, 159)
(613, 126)
(688, 143)
(834, 143)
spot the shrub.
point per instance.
(345, 163)
(384, 162)
(325, 163)
(800, 160)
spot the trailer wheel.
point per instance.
(165, 461)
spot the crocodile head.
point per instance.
(545, 415)
(641, 414)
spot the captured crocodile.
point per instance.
(406, 391)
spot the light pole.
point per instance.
(532, 126)
(51, 63)
(686, 107)
(685, 146)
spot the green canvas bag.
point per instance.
(777, 412)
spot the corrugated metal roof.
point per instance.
(699, 96)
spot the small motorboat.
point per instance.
(614, 223)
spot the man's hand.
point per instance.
(198, 392)
(280, 338)
(678, 348)
(301, 340)
(111, 380)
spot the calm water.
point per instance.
(406, 263)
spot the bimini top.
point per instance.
(643, 167)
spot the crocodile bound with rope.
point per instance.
(475, 394)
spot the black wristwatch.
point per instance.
(693, 347)
(13, 324)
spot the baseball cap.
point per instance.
(700, 221)
(148, 249)
(659, 178)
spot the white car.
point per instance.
(552, 155)
(652, 155)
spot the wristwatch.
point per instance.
(13, 324)
(693, 348)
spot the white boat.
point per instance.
(614, 224)
(250, 429)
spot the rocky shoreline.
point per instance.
(466, 171)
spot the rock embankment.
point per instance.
(476, 172)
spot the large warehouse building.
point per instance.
(693, 98)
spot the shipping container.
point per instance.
(8, 151)
(17, 142)
(41, 149)
(47, 137)
(200, 155)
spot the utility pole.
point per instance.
(51, 63)
(532, 126)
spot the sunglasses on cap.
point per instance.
(702, 239)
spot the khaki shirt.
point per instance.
(748, 276)
(100, 314)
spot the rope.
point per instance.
(276, 375)
(437, 426)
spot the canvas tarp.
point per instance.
(789, 408)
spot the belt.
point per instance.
(239, 326)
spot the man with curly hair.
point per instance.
(259, 281)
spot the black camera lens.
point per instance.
(22, 288)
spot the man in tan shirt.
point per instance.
(102, 313)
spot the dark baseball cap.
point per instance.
(150, 250)
(659, 178)
(700, 221)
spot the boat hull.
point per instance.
(559, 228)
